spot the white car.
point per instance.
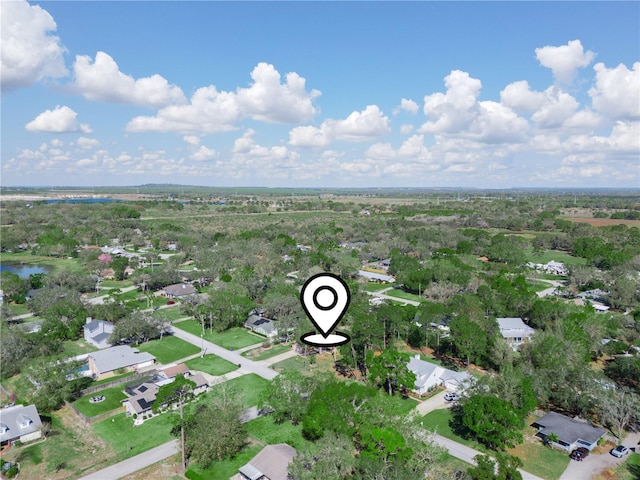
(620, 451)
(451, 397)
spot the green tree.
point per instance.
(490, 420)
(389, 369)
(505, 467)
(330, 458)
(288, 396)
(469, 339)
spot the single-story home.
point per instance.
(262, 325)
(571, 433)
(376, 277)
(514, 331)
(429, 375)
(271, 463)
(19, 423)
(144, 395)
(104, 363)
(178, 290)
(97, 332)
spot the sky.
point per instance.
(320, 94)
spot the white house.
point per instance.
(105, 363)
(97, 332)
(571, 433)
(514, 331)
(429, 376)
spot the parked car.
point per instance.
(620, 451)
(451, 397)
(579, 454)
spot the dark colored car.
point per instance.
(579, 454)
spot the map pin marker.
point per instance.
(325, 298)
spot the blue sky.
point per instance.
(344, 94)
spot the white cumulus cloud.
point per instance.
(407, 105)
(103, 81)
(203, 153)
(617, 91)
(269, 100)
(29, 51)
(59, 120)
(368, 124)
(565, 60)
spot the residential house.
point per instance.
(514, 331)
(142, 397)
(271, 463)
(179, 290)
(571, 433)
(429, 376)
(376, 277)
(261, 325)
(97, 332)
(19, 423)
(104, 363)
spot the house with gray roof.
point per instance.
(272, 463)
(571, 433)
(104, 363)
(97, 332)
(19, 423)
(179, 290)
(514, 331)
(429, 376)
(261, 325)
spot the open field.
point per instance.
(231, 339)
(211, 364)
(603, 222)
(555, 255)
(168, 349)
(264, 353)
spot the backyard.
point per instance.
(112, 400)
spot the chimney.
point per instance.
(88, 320)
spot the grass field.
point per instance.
(376, 287)
(267, 432)
(169, 314)
(404, 295)
(249, 388)
(112, 399)
(127, 440)
(225, 469)
(549, 255)
(324, 363)
(211, 364)
(231, 339)
(55, 264)
(116, 283)
(168, 349)
(73, 348)
(262, 354)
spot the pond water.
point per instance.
(23, 270)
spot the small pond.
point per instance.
(23, 270)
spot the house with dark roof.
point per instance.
(261, 325)
(143, 396)
(19, 423)
(97, 332)
(179, 290)
(429, 376)
(271, 463)
(514, 331)
(104, 363)
(571, 433)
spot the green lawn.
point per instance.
(438, 421)
(397, 293)
(231, 339)
(116, 283)
(548, 255)
(249, 388)
(211, 364)
(113, 399)
(266, 431)
(376, 287)
(17, 309)
(262, 354)
(169, 349)
(171, 313)
(225, 469)
(127, 440)
(111, 379)
(73, 348)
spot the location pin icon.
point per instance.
(325, 298)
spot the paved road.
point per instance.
(136, 463)
(381, 294)
(247, 365)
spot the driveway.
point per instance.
(434, 403)
(597, 463)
